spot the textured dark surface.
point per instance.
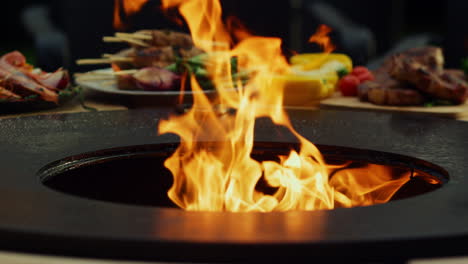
(34, 218)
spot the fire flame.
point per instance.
(129, 7)
(323, 40)
(321, 37)
(213, 169)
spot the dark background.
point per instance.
(84, 22)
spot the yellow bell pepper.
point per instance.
(311, 61)
(313, 77)
(304, 90)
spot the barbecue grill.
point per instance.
(93, 185)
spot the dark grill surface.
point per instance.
(34, 218)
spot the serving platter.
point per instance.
(353, 103)
(11, 107)
(109, 85)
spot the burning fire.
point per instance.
(213, 169)
(129, 7)
(321, 37)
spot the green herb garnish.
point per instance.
(197, 66)
(464, 65)
(342, 72)
(438, 102)
(30, 97)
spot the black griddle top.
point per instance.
(34, 218)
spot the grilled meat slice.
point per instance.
(385, 90)
(430, 56)
(21, 84)
(7, 94)
(163, 38)
(187, 53)
(412, 77)
(156, 79)
(445, 85)
(15, 62)
(149, 79)
(59, 79)
(154, 56)
(123, 65)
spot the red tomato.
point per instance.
(365, 76)
(348, 85)
(359, 70)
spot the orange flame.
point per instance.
(369, 185)
(129, 7)
(321, 37)
(212, 167)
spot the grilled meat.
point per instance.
(437, 83)
(7, 94)
(430, 56)
(385, 90)
(413, 77)
(15, 63)
(163, 38)
(154, 56)
(18, 79)
(149, 79)
(17, 82)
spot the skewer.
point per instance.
(103, 75)
(112, 39)
(133, 35)
(114, 57)
(120, 58)
(107, 73)
(103, 60)
(126, 39)
(93, 61)
(92, 77)
(136, 42)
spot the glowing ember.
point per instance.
(222, 176)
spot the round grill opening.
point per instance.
(136, 175)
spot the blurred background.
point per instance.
(57, 32)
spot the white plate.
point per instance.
(109, 85)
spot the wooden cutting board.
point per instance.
(353, 103)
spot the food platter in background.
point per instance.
(414, 81)
(108, 84)
(10, 107)
(24, 88)
(353, 103)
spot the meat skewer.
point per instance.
(103, 60)
(160, 38)
(159, 57)
(133, 41)
(153, 38)
(140, 58)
